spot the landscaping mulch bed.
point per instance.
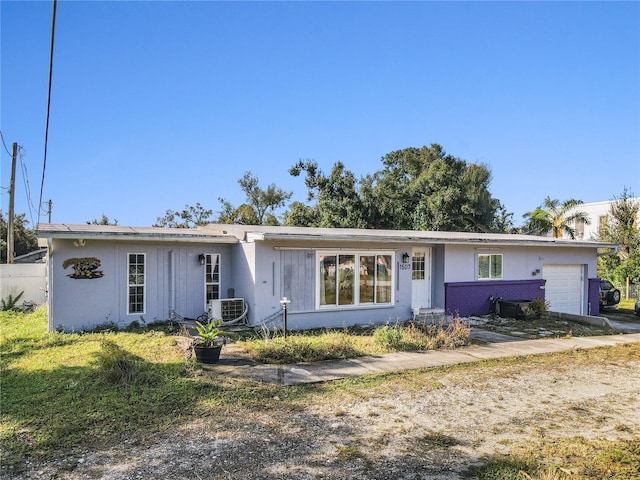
(542, 327)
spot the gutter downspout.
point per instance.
(49, 285)
(172, 285)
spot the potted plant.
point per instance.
(210, 341)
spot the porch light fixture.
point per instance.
(201, 258)
(405, 257)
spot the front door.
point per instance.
(421, 278)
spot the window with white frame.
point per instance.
(490, 266)
(417, 266)
(354, 278)
(136, 283)
(211, 278)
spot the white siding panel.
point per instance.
(564, 288)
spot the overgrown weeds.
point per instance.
(304, 348)
(413, 336)
(332, 344)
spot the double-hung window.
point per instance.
(490, 266)
(136, 283)
(211, 278)
(354, 278)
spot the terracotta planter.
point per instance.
(208, 354)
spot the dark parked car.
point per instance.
(637, 309)
(609, 295)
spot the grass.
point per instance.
(627, 305)
(570, 458)
(60, 390)
(68, 392)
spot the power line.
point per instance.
(27, 188)
(4, 144)
(46, 130)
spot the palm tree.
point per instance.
(555, 217)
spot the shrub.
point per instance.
(536, 308)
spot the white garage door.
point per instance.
(564, 289)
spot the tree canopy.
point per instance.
(428, 189)
(189, 217)
(338, 203)
(260, 206)
(624, 231)
(24, 239)
(104, 220)
(417, 189)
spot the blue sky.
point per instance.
(156, 105)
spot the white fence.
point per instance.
(30, 278)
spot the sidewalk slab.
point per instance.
(493, 337)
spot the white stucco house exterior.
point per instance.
(332, 277)
(599, 215)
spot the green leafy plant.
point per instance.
(210, 334)
(536, 308)
(11, 302)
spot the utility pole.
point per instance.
(12, 194)
(50, 203)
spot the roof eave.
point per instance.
(431, 240)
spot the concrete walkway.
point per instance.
(500, 346)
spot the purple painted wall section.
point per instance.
(594, 297)
(472, 298)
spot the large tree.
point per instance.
(624, 231)
(24, 239)
(260, 207)
(428, 189)
(556, 217)
(417, 189)
(190, 217)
